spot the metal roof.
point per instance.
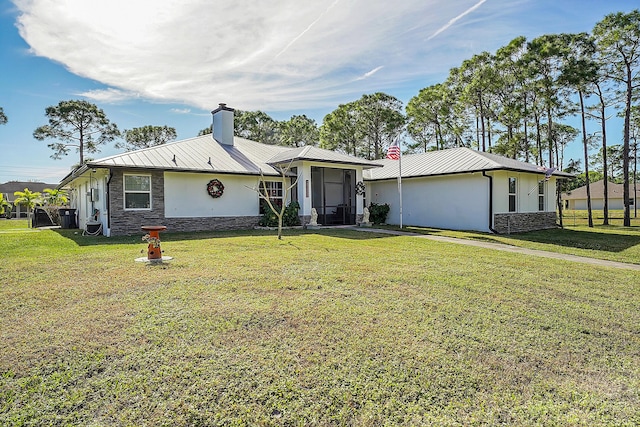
(205, 154)
(320, 155)
(449, 162)
(199, 154)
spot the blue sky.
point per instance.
(170, 62)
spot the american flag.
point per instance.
(548, 173)
(393, 152)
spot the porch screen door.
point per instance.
(333, 195)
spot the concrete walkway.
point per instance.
(506, 248)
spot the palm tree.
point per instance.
(3, 204)
(55, 197)
(28, 198)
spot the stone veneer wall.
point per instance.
(211, 223)
(129, 222)
(521, 222)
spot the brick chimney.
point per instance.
(223, 124)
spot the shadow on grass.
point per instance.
(583, 239)
(76, 235)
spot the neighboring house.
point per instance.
(576, 199)
(178, 185)
(175, 184)
(8, 188)
(464, 189)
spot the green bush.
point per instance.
(378, 213)
(290, 217)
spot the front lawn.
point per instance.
(580, 217)
(613, 243)
(329, 328)
(7, 225)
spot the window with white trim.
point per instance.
(137, 192)
(512, 194)
(541, 195)
(274, 192)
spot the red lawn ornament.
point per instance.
(153, 237)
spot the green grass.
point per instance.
(580, 217)
(12, 225)
(332, 328)
(613, 243)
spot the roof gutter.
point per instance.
(72, 175)
(490, 201)
(556, 174)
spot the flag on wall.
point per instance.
(393, 152)
(548, 173)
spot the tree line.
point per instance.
(515, 102)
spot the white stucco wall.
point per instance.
(304, 187)
(527, 192)
(185, 195)
(81, 198)
(457, 202)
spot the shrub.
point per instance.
(290, 217)
(378, 213)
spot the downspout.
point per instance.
(490, 201)
(108, 201)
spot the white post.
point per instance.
(400, 182)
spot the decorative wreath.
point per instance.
(360, 188)
(215, 188)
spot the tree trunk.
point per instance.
(81, 146)
(489, 133)
(625, 149)
(586, 159)
(549, 134)
(526, 135)
(538, 140)
(604, 162)
(635, 178)
(484, 147)
(559, 202)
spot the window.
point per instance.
(541, 195)
(512, 194)
(137, 192)
(274, 192)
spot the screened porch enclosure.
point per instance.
(334, 195)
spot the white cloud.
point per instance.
(109, 95)
(275, 55)
(181, 110)
(457, 18)
(370, 73)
